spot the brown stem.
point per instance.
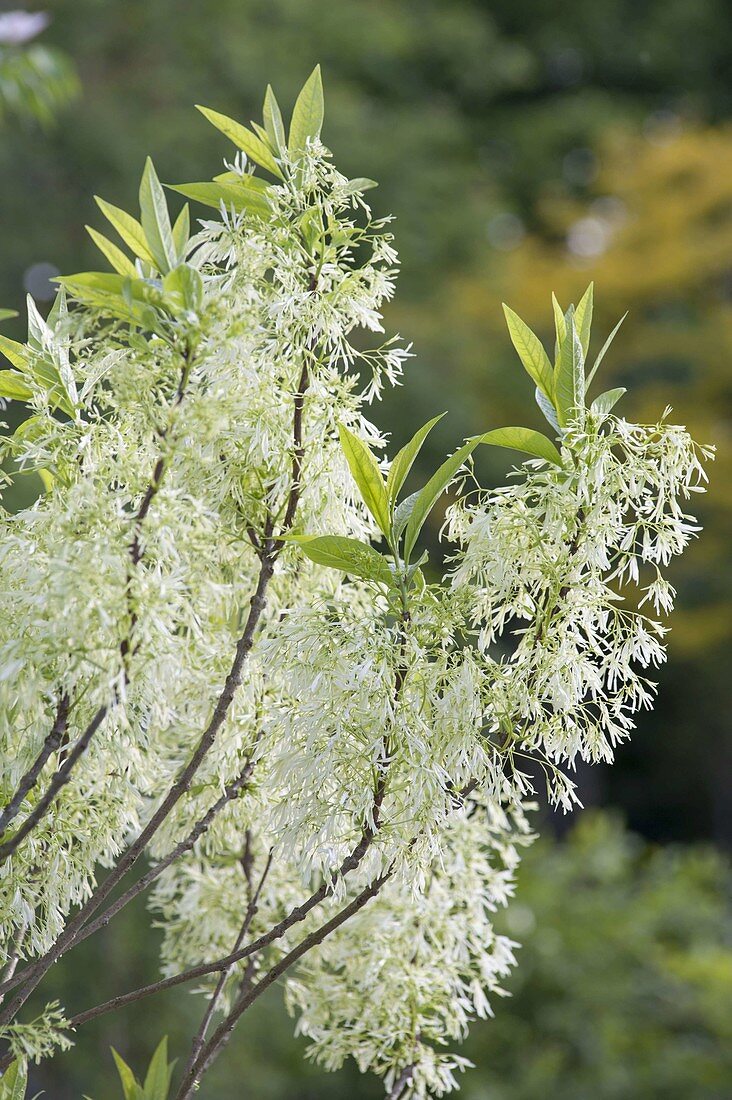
(401, 1083)
(58, 781)
(251, 910)
(31, 777)
(315, 938)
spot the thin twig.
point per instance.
(401, 1082)
(31, 777)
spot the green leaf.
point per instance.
(429, 495)
(307, 115)
(402, 514)
(547, 408)
(130, 1086)
(603, 350)
(14, 1081)
(560, 326)
(128, 228)
(6, 314)
(524, 439)
(404, 460)
(358, 559)
(121, 263)
(530, 351)
(367, 475)
(569, 380)
(13, 387)
(358, 185)
(15, 352)
(156, 219)
(273, 122)
(583, 318)
(232, 195)
(244, 139)
(186, 285)
(607, 401)
(158, 1076)
(181, 233)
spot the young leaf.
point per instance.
(547, 408)
(356, 186)
(603, 349)
(158, 1076)
(524, 439)
(15, 352)
(13, 387)
(607, 401)
(358, 559)
(185, 284)
(402, 514)
(121, 263)
(130, 1086)
(181, 233)
(273, 122)
(6, 314)
(569, 381)
(404, 460)
(232, 195)
(244, 139)
(156, 219)
(530, 351)
(367, 475)
(14, 1081)
(128, 228)
(307, 115)
(428, 496)
(560, 326)
(583, 318)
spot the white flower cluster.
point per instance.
(558, 565)
(369, 752)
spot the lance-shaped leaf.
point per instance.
(547, 408)
(367, 475)
(156, 219)
(13, 387)
(244, 139)
(128, 228)
(122, 264)
(181, 233)
(357, 185)
(235, 195)
(560, 327)
(273, 123)
(524, 439)
(307, 115)
(6, 314)
(427, 497)
(405, 458)
(569, 373)
(351, 556)
(15, 352)
(14, 1081)
(130, 1087)
(157, 1079)
(602, 352)
(530, 351)
(583, 318)
(607, 401)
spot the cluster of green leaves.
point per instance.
(268, 146)
(561, 386)
(159, 286)
(156, 1085)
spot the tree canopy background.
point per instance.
(523, 147)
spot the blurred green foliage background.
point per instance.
(523, 146)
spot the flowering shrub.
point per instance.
(219, 650)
